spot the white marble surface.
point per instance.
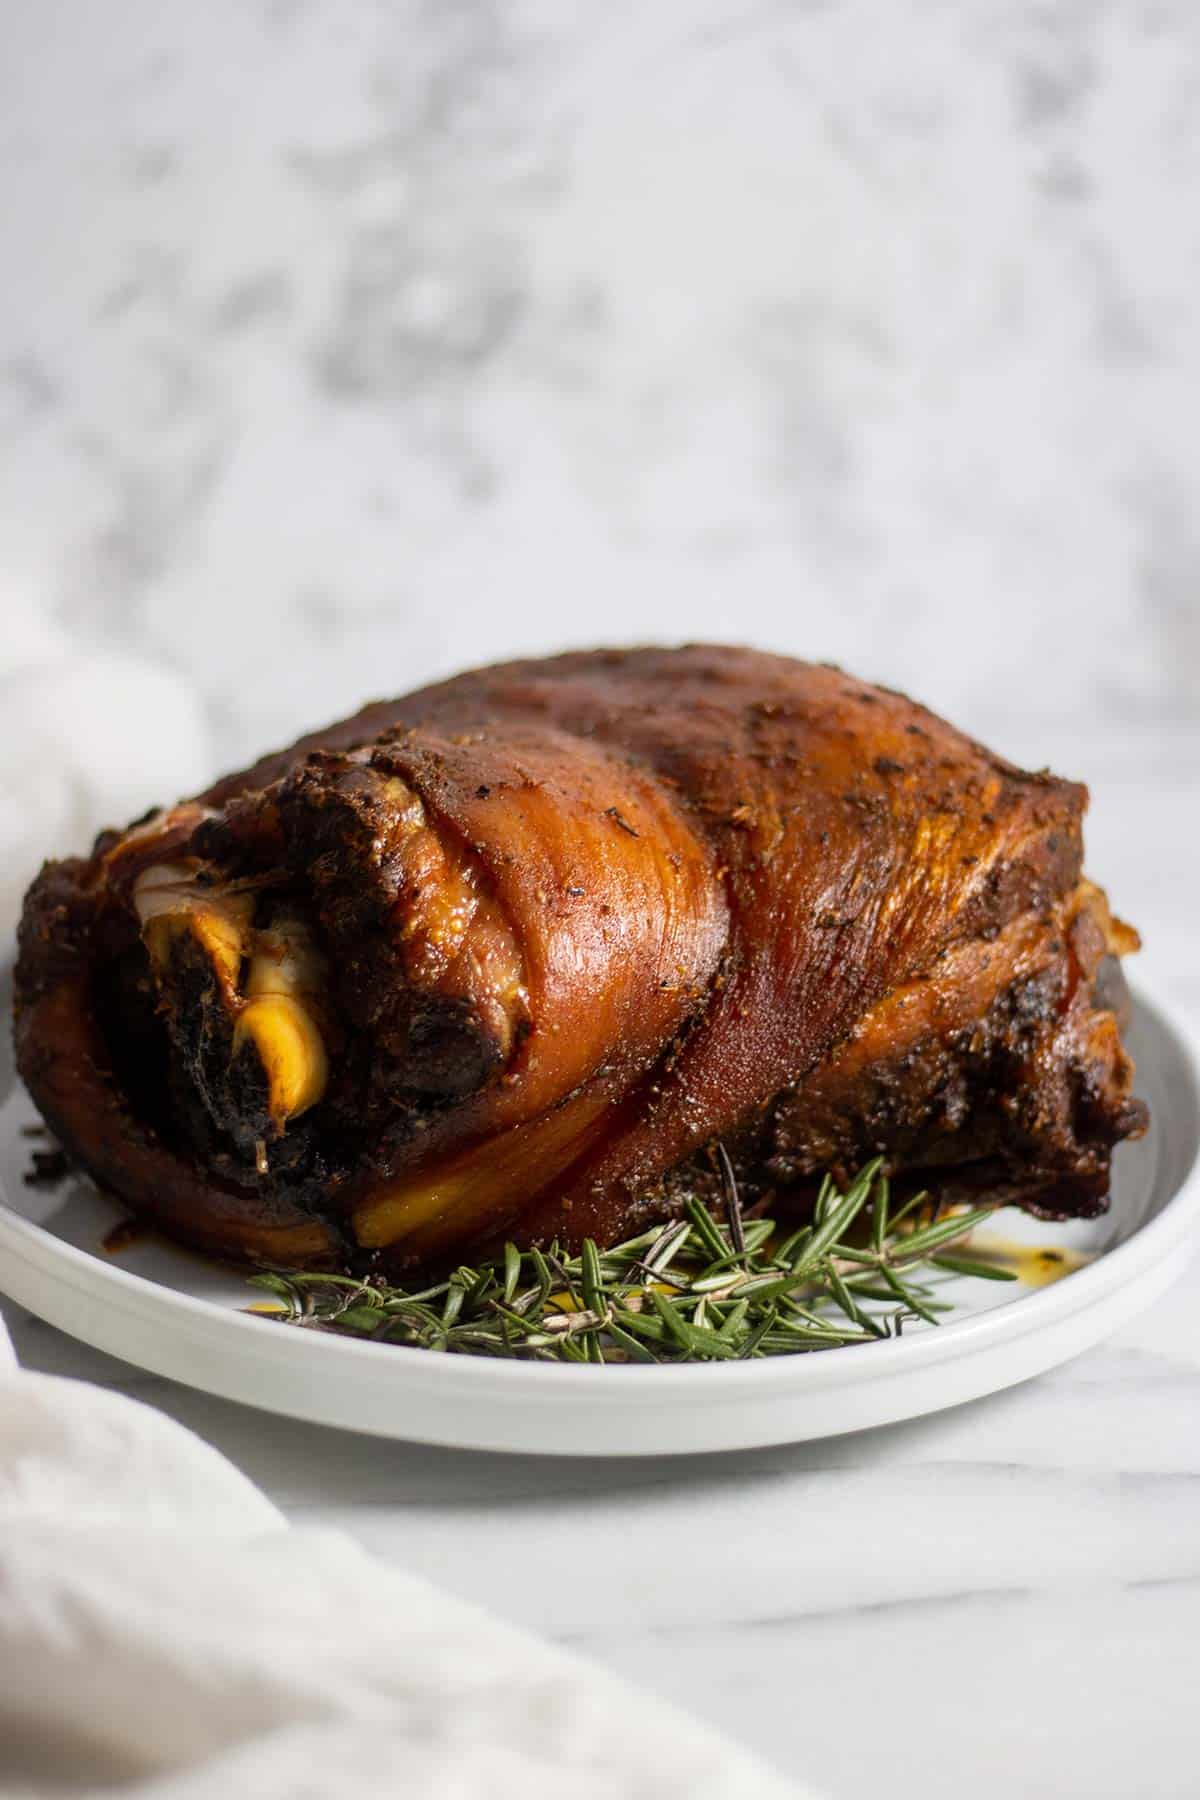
(1002, 1599)
(343, 345)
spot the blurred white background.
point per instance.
(344, 345)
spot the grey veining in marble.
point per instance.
(342, 345)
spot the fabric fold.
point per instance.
(165, 1633)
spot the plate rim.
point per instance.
(42, 1254)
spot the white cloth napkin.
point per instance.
(165, 1633)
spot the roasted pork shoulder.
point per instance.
(511, 957)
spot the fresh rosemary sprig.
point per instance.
(694, 1290)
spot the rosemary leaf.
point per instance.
(593, 1280)
(733, 1201)
(705, 1287)
(927, 1237)
(970, 1265)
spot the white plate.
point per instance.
(182, 1317)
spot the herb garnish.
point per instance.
(694, 1290)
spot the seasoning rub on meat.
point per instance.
(510, 956)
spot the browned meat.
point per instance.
(510, 955)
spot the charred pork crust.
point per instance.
(509, 955)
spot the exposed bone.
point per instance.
(173, 906)
(273, 1021)
(278, 1022)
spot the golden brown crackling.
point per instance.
(622, 918)
(914, 1079)
(715, 863)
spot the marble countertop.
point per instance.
(342, 347)
(1001, 1599)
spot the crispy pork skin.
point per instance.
(510, 955)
